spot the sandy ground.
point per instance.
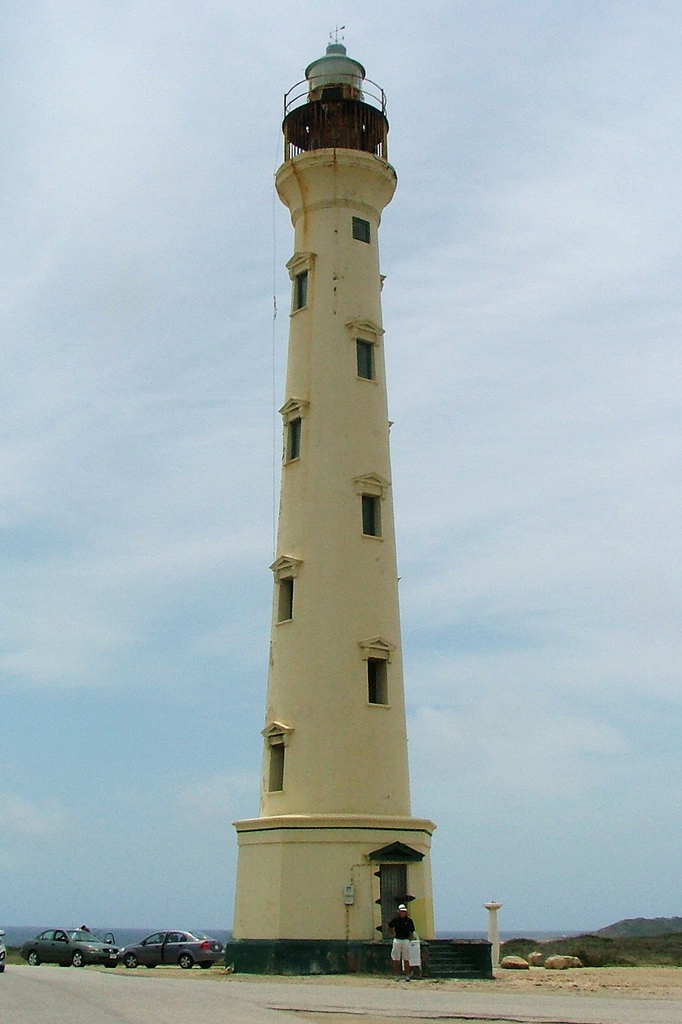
(624, 982)
(621, 982)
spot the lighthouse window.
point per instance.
(371, 515)
(293, 439)
(377, 683)
(285, 599)
(276, 767)
(301, 290)
(365, 359)
(360, 229)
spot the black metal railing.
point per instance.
(372, 94)
(338, 117)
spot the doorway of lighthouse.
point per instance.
(392, 891)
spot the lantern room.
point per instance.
(335, 107)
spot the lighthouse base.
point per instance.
(307, 956)
(439, 958)
(336, 878)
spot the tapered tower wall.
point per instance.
(343, 755)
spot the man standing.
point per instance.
(402, 927)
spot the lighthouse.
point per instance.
(335, 847)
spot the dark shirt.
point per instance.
(402, 926)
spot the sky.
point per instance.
(532, 315)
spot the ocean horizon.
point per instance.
(15, 935)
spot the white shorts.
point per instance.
(401, 950)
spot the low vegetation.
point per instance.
(604, 951)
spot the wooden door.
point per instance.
(392, 891)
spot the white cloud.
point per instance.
(219, 798)
(31, 819)
(499, 742)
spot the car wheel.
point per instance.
(109, 964)
(77, 959)
(33, 958)
(130, 960)
(2, 968)
(185, 961)
(150, 967)
(204, 967)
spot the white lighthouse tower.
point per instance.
(335, 847)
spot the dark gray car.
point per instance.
(76, 948)
(183, 948)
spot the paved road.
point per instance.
(405, 1002)
(52, 995)
(56, 995)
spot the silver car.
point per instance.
(3, 952)
(183, 948)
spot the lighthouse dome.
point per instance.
(333, 71)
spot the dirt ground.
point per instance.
(624, 982)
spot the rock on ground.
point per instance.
(562, 963)
(514, 963)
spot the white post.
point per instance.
(493, 931)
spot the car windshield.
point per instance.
(79, 936)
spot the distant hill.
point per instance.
(634, 927)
